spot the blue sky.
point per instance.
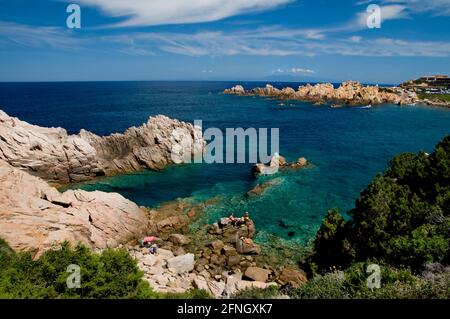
(297, 40)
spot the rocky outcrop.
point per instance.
(292, 276)
(167, 273)
(278, 163)
(349, 92)
(258, 274)
(55, 156)
(36, 217)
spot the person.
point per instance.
(233, 220)
(244, 220)
(146, 241)
(153, 248)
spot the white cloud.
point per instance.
(388, 12)
(207, 71)
(436, 7)
(159, 12)
(280, 42)
(355, 39)
(294, 71)
(267, 41)
(31, 36)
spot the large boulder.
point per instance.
(231, 233)
(292, 276)
(257, 274)
(237, 89)
(246, 246)
(36, 217)
(181, 264)
(55, 156)
(179, 239)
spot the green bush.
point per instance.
(111, 274)
(395, 284)
(258, 293)
(402, 218)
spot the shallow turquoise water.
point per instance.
(347, 146)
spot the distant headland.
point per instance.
(430, 90)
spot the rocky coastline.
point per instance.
(59, 158)
(219, 258)
(348, 93)
(34, 216)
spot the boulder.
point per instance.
(149, 260)
(237, 89)
(257, 274)
(36, 217)
(216, 288)
(293, 277)
(217, 245)
(246, 285)
(231, 234)
(247, 246)
(55, 156)
(233, 261)
(172, 223)
(181, 264)
(228, 250)
(179, 251)
(179, 239)
(201, 283)
(164, 253)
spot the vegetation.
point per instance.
(401, 222)
(401, 219)
(396, 284)
(439, 97)
(110, 274)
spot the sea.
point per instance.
(346, 146)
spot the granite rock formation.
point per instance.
(350, 92)
(36, 217)
(55, 156)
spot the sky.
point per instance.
(236, 40)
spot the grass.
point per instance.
(440, 97)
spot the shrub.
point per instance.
(110, 274)
(402, 218)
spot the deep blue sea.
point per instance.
(348, 146)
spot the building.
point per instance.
(435, 80)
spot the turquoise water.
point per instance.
(348, 146)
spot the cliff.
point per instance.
(36, 217)
(55, 156)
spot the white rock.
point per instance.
(181, 264)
